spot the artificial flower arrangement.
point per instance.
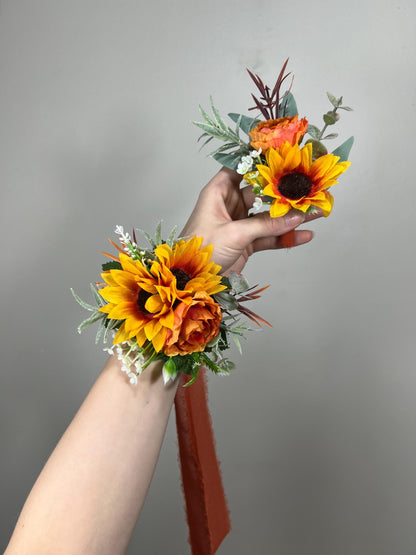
(285, 170)
(170, 303)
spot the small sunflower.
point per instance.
(293, 180)
(145, 298)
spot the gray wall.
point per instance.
(316, 428)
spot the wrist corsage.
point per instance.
(286, 170)
(169, 302)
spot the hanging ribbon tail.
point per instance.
(206, 506)
(287, 240)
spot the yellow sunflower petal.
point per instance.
(154, 304)
(279, 208)
(121, 335)
(325, 202)
(159, 339)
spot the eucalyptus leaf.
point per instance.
(333, 100)
(346, 108)
(288, 106)
(343, 150)
(329, 118)
(230, 161)
(331, 136)
(226, 301)
(238, 126)
(313, 131)
(238, 282)
(246, 123)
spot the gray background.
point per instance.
(316, 427)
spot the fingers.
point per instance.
(262, 225)
(271, 243)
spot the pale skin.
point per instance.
(89, 495)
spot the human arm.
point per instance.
(90, 493)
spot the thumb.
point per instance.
(263, 225)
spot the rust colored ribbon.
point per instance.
(206, 506)
(287, 240)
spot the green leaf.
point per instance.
(225, 300)
(343, 150)
(224, 148)
(313, 131)
(318, 148)
(186, 364)
(111, 265)
(148, 237)
(193, 379)
(91, 320)
(98, 298)
(237, 342)
(330, 118)
(221, 123)
(83, 303)
(158, 234)
(205, 142)
(346, 108)
(110, 325)
(330, 136)
(288, 106)
(210, 130)
(171, 238)
(238, 282)
(333, 100)
(230, 161)
(100, 331)
(246, 123)
(206, 117)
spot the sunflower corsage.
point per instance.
(286, 169)
(169, 302)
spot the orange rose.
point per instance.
(274, 132)
(194, 326)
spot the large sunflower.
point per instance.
(295, 181)
(145, 298)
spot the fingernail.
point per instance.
(294, 217)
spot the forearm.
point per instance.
(89, 495)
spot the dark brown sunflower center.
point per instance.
(295, 185)
(182, 278)
(141, 300)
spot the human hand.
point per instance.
(221, 217)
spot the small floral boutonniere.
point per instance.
(285, 170)
(170, 303)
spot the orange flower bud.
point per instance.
(194, 326)
(274, 133)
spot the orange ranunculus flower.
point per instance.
(145, 298)
(274, 132)
(194, 326)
